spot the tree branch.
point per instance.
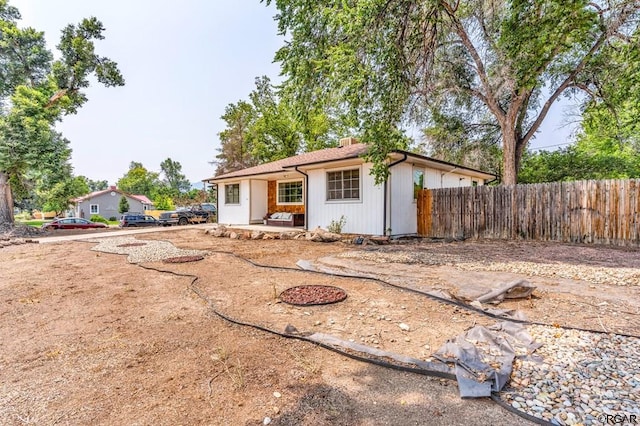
(607, 32)
(489, 97)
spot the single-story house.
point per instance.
(329, 184)
(106, 203)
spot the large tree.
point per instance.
(95, 185)
(140, 181)
(266, 128)
(611, 119)
(236, 140)
(389, 63)
(36, 92)
(607, 145)
(58, 197)
(173, 176)
(275, 135)
(451, 138)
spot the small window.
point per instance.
(94, 209)
(343, 185)
(290, 192)
(474, 183)
(232, 193)
(418, 182)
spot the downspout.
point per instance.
(306, 197)
(250, 201)
(217, 200)
(386, 182)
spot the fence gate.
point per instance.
(424, 212)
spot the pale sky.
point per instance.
(183, 63)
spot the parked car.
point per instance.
(186, 215)
(72, 223)
(137, 219)
(210, 207)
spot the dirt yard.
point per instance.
(89, 338)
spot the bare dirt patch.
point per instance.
(90, 338)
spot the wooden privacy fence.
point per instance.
(599, 212)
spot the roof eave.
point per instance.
(240, 177)
(479, 173)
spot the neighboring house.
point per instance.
(106, 203)
(327, 184)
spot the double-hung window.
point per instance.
(343, 185)
(94, 209)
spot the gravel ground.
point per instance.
(151, 251)
(582, 378)
(610, 275)
(579, 377)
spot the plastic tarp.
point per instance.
(483, 356)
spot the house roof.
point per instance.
(142, 198)
(313, 157)
(325, 156)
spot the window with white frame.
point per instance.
(94, 209)
(343, 185)
(290, 192)
(232, 193)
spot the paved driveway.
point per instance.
(76, 234)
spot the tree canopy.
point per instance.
(58, 198)
(173, 176)
(496, 65)
(35, 93)
(264, 129)
(139, 181)
(607, 145)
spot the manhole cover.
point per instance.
(306, 295)
(183, 259)
(132, 245)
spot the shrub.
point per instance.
(124, 205)
(23, 216)
(336, 225)
(113, 219)
(98, 218)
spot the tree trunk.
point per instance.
(6, 201)
(509, 163)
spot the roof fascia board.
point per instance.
(330, 164)
(253, 176)
(443, 164)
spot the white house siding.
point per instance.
(403, 212)
(108, 205)
(443, 179)
(364, 216)
(403, 208)
(259, 204)
(235, 214)
(455, 180)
